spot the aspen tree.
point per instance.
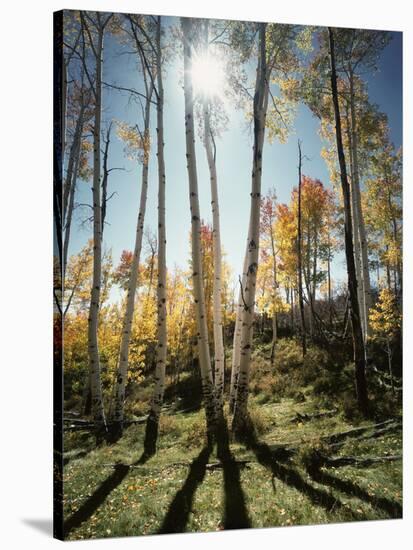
(96, 46)
(161, 350)
(248, 291)
(358, 342)
(197, 276)
(216, 235)
(299, 256)
(122, 370)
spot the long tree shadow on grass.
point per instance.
(92, 504)
(291, 476)
(178, 513)
(89, 507)
(235, 510)
(391, 507)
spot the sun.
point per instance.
(207, 75)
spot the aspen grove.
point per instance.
(229, 279)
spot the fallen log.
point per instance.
(87, 425)
(385, 375)
(339, 436)
(77, 421)
(72, 413)
(376, 434)
(337, 440)
(304, 417)
(337, 462)
(209, 466)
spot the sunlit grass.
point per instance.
(140, 502)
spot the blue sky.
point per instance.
(234, 154)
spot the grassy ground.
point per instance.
(109, 493)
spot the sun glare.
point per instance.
(207, 75)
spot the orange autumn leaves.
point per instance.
(279, 236)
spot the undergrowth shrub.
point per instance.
(350, 406)
(289, 373)
(260, 420)
(194, 435)
(310, 455)
(170, 425)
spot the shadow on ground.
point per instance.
(292, 477)
(235, 509)
(394, 509)
(99, 496)
(178, 513)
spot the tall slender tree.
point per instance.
(358, 341)
(122, 371)
(236, 345)
(197, 276)
(299, 256)
(248, 291)
(210, 149)
(161, 350)
(269, 250)
(93, 30)
(72, 172)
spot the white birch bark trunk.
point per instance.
(161, 350)
(93, 347)
(274, 336)
(71, 181)
(300, 257)
(236, 347)
(217, 284)
(127, 324)
(275, 287)
(73, 157)
(356, 242)
(64, 103)
(366, 290)
(260, 108)
(197, 278)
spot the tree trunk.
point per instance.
(71, 182)
(127, 323)
(105, 176)
(236, 347)
(274, 337)
(314, 277)
(307, 280)
(64, 102)
(330, 305)
(358, 342)
(389, 363)
(197, 276)
(260, 108)
(275, 289)
(355, 225)
(217, 285)
(299, 258)
(73, 160)
(360, 218)
(388, 269)
(161, 350)
(93, 347)
(398, 269)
